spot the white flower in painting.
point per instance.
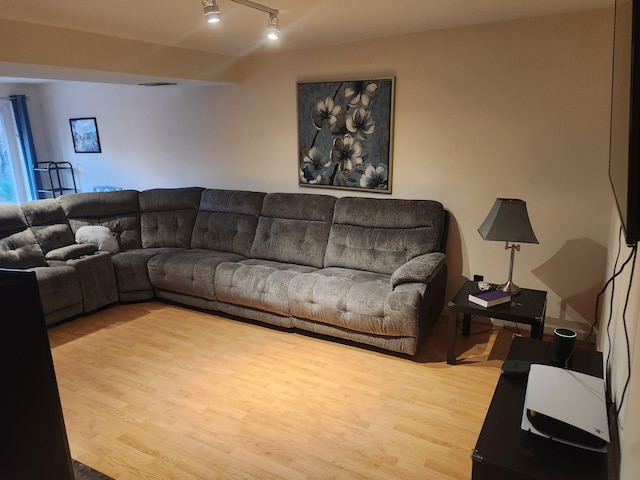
(325, 114)
(374, 177)
(360, 93)
(346, 152)
(361, 123)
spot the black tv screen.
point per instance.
(624, 152)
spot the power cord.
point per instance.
(626, 332)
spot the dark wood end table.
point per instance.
(528, 307)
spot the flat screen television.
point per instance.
(624, 149)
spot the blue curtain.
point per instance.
(19, 103)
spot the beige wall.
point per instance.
(515, 109)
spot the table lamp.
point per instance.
(508, 222)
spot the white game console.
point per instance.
(567, 407)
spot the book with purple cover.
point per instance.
(490, 298)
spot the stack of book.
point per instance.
(489, 298)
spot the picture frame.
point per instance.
(345, 134)
(84, 132)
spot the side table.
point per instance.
(506, 452)
(527, 307)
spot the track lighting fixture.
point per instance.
(212, 15)
(211, 11)
(273, 28)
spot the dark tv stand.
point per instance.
(505, 452)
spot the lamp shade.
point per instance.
(508, 221)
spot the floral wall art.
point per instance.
(344, 134)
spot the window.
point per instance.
(14, 186)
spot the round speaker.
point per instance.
(564, 341)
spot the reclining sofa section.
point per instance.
(368, 270)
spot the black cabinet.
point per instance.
(506, 452)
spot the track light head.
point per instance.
(273, 27)
(211, 11)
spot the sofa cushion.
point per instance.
(358, 301)
(259, 284)
(189, 272)
(167, 216)
(132, 274)
(294, 228)
(227, 221)
(103, 238)
(379, 235)
(18, 245)
(119, 211)
(48, 223)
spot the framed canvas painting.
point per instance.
(84, 132)
(345, 134)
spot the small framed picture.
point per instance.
(84, 132)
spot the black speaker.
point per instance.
(564, 341)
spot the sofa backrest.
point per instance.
(119, 211)
(168, 215)
(294, 228)
(227, 220)
(48, 223)
(379, 235)
(18, 245)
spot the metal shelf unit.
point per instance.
(60, 176)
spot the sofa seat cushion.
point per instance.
(189, 272)
(358, 301)
(132, 275)
(259, 284)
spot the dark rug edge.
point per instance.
(84, 472)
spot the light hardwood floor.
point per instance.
(157, 391)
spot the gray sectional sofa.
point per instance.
(368, 270)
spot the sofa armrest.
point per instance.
(419, 269)
(74, 250)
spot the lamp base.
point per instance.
(510, 287)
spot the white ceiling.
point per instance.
(304, 23)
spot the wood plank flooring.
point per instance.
(157, 391)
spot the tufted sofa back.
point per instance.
(167, 216)
(294, 228)
(48, 223)
(227, 220)
(379, 235)
(18, 245)
(119, 211)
